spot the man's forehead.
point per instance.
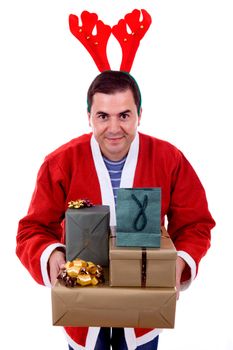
(118, 97)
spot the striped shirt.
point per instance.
(115, 170)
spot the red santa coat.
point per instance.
(77, 170)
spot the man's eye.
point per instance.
(124, 116)
(103, 116)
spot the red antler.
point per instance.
(130, 42)
(96, 45)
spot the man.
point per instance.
(83, 168)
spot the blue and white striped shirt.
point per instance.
(115, 170)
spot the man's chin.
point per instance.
(114, 153)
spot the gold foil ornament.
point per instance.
(80, 203)
(81, 272)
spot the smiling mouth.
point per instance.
(114, 139)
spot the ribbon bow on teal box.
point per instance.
(138, 217)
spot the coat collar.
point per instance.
(127, 176)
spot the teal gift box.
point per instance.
(138, 217)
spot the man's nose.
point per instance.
(114, 125)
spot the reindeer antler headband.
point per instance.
(96, 45)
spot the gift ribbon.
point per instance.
(80, 203)
(143, 269)
(164, 234)
(81, 272)
(141, 213)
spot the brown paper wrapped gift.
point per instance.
(150, 267)
(104, 306)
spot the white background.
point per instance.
(185, 71)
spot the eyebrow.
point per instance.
(105, 113)
(100, 112)
(126, 111)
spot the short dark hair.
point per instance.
(110, 82)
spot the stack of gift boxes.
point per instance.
(139, 262)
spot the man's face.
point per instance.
(114, 120)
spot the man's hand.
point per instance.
(180, 265)
(55, 264)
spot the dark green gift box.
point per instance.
(138, 217)
(87, 234)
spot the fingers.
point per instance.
(177, 291)
(56, 262)
(180, 265)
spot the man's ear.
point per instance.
(139, 116)
(89, 118)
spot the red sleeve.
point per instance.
(42, 225)
(189, 220)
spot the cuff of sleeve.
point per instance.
(44, 262)
(193, 268)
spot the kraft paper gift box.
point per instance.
(135, 267)
(138, 217)
(104, 306)
(87, 234)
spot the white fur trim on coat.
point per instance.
(191, 263)
(127, 176)
(133, 342)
